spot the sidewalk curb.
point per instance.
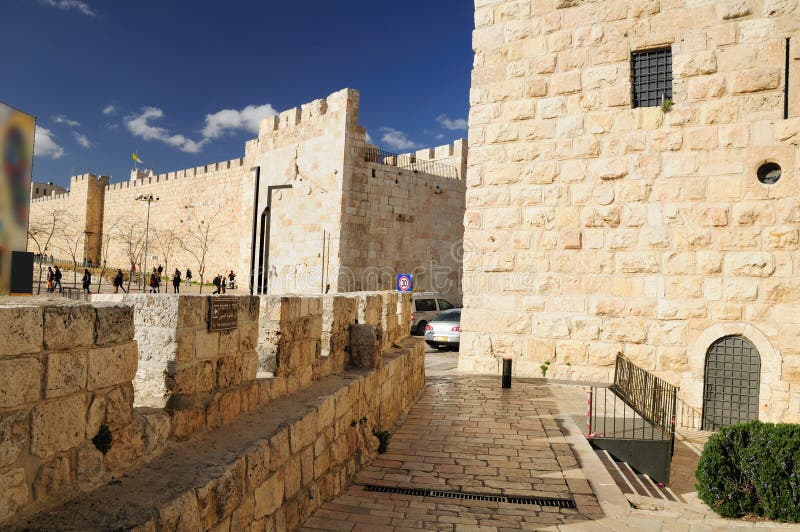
(611, 499)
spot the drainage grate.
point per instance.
(540, 501)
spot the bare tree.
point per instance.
(41, 230)
(130, 235)
(72, 243)
(108, 237)
(165, 241)
(197, 237)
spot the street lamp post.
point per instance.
(149, 198)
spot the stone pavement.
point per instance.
(466, 434)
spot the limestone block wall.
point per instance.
(65, 381)
(68, 369)
(595, 228)
(301, 159)
(179, 357)
(190, 201)
(403, 221)
(80, 218)
(305, 338)
(279, 483)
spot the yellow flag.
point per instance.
(135, 157)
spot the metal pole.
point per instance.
(146, 234)
(506, 373)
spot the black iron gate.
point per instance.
(732, 379)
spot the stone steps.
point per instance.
(633, 483)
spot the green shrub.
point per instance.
(752, 469)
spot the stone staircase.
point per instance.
(633, 483)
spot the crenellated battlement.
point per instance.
(308, 112)
(87, 177)
(197, 171)
(52, 197)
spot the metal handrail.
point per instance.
(651, 397)
(373, 154)
(693, 419)
(610, 416)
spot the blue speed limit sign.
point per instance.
(404, 283)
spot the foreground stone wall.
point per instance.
(179, 356)
(305, 338)
(71, 368)
(595, 228)
(65, 372)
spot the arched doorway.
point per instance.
(731, 382)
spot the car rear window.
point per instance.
(425, 305)
(450, 315)
(444, 304)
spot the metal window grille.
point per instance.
(652, 77)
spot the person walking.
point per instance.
(232, 280)
(50, 280)
(153, 282)
(118, 282)
(176, 282)
(160, 271)
(217, 284)
(57, 280)
(223, 283)
(87, 281)
(188, 277)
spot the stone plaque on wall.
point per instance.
(223, 314)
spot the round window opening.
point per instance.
(769, 173)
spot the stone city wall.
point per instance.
(178, 356)
(84, 356)
(305, 338)
(78, 216)
(301, 159)
(326, 220)
(594, 228)
(65, 374)
(190, 200)
(402, 220)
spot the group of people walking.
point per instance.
(54, 280)
(220, 282)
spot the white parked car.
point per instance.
(444, 330)
(424, 307)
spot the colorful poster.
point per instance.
(16, 162)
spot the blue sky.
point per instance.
(107, 77)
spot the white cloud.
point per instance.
(369, 139)
(66, 5)
(139, 126)
(217, 124)
(109, 110)
(83, 140)
(45, 145)
(62, 119)
(396, 139)
(447, 123)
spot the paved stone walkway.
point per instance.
(466, 434)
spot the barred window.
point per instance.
(652, 77)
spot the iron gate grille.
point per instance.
(732, 378)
